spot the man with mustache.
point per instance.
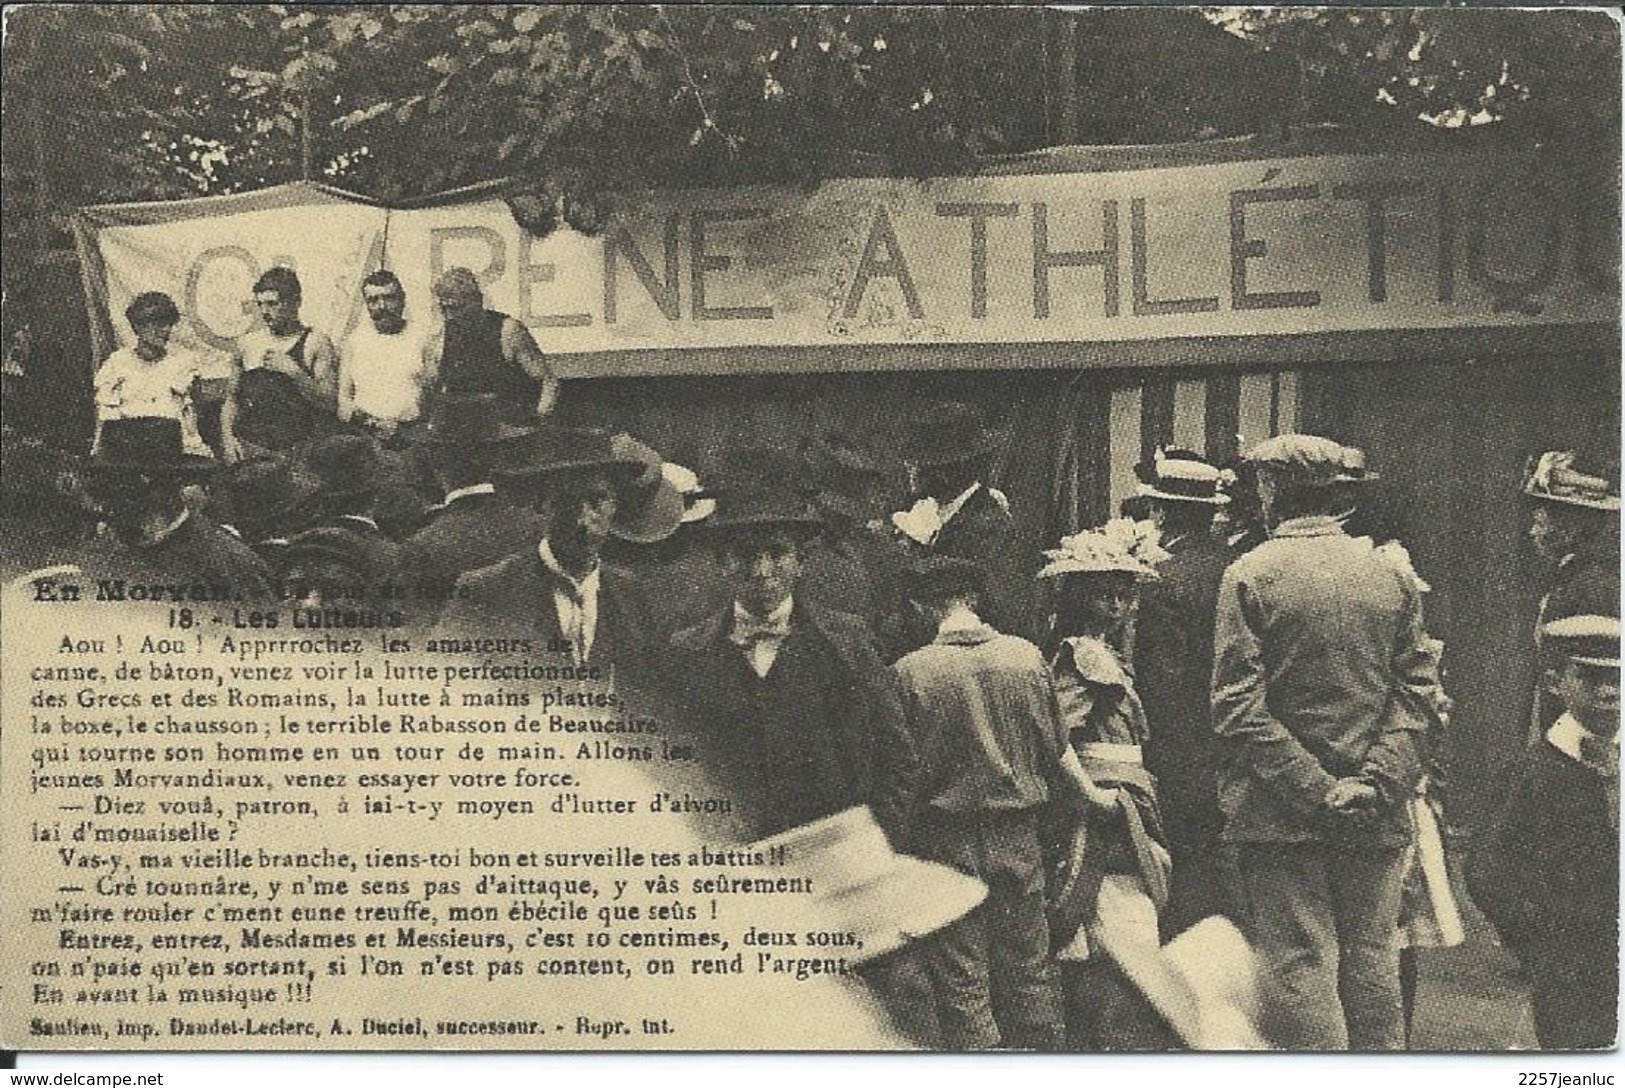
(384, 366)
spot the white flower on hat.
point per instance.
(1122, 544)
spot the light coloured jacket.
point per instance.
(1321, 672)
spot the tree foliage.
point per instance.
(108, 103)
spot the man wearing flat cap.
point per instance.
(1574, 526)
(1547, 877)
(135, 478)
(1321, 694)
(1173, 664)
(558, 591)
(479, 350)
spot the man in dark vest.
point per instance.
(1173, 666)
(284, 385)
(482, 351)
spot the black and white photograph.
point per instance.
(777, 528)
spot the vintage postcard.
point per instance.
(774, 528)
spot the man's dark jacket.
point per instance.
(863, 722)
(471, 532)
(1173, 667)
(514, 599)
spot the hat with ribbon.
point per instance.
(947, 434)
(1586, 640)
(1354, 468)
(861, 886)
(148, 446)
(1186, 478)
(1121, 546)
(650, 507)
(1553, 477)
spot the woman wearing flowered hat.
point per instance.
(1117, 866)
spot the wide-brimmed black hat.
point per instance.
(843, 477)
(148, 445)
(272, 496)
(463, 421)
(948, 434)
(549, 450)
(762, 488)
(931, 576)
(346, 466)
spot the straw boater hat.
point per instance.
(146, 446)
(1354, 468)
(651, 506)
(1184, 478)
(1553, 477)
(1121, 546)
(1585, 640)
(860, 885)
(947, 434)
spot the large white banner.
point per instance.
(1255, 248)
